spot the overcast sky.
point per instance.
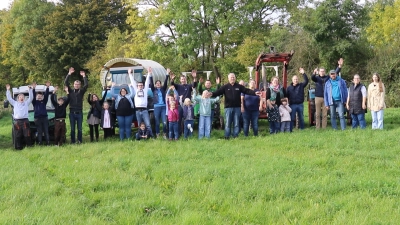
(5, 4)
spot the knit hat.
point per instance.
(272, 99)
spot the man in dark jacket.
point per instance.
(356, 103)
(232, 92)
(295, 94)
(76, 103)
(39, 103)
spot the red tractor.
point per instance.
(275, 58)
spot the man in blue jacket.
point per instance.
(335, 96)
(295, 94)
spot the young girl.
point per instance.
(205, 112)
(284, 111)
(107, 120)
(173, 119)
(94, 115)
(188, 117)
(274, 117)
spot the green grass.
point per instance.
(306, 177)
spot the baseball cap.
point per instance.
(332, 71)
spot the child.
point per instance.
(60, 113)
(171, 95)
(20, 115)
(107, 120)
(173, 119)
(205, 103)
(188, 117)
(143, 132)
(273, 117)
(284, 111)
(39, 103)
(94, 115)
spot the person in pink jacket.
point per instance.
(285, 111)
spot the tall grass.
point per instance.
(306, 177)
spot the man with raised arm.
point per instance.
(232, 92)
(140, 93)
(319, 77)
(295, 95)
(39, 103)
(76, 95)
(184, 91)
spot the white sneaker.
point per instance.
(189, 126)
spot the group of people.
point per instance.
(174, 106)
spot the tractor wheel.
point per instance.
(152, 121)
(221, 123)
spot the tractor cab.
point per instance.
(266, 62)
(116, 71)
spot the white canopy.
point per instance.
(158, 71)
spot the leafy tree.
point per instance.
(336, 27)
(382, 34)
(72, 34)
(384, 27)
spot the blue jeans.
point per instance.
(377, 119)
(250, 116)
(159, 112)
(143, 116)
(125, 123)
(340, 107)
(76, 119)
(285, 126)
(358, 119)
(204, 126)
(187, 132)
(274, 127)
(232, 117)
(173, 130)
(299, 109)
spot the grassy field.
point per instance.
(306, 177)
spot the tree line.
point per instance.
(40, 40)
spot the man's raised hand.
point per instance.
(340, 62)
(71, 70)
(82, 73)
